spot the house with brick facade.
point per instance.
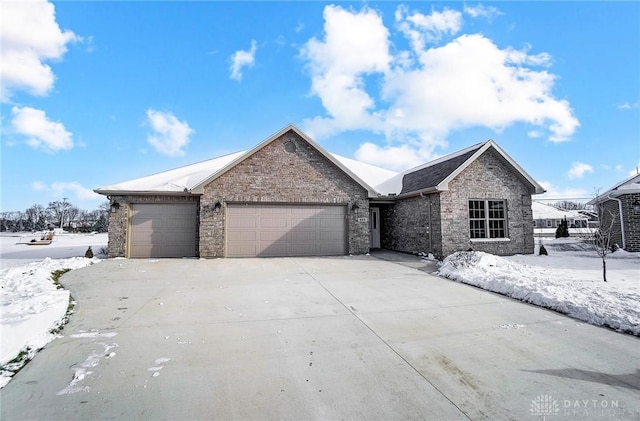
(619, 210)
(289, 197)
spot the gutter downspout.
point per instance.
(624, 242)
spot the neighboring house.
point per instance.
(290, 197)
(619, 208)
(547, 218)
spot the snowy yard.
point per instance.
(568, 280)
(31, 305)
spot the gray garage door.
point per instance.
(163, 230)
(286, 230)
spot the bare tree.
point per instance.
(36, 217)
(602, 238)
(59, 210)
(569, 205)
(58, 213)
(72, 216)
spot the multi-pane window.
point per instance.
(487, 219)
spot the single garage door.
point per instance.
(286, 230)
(163, 230)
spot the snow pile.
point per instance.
(612, 304)
(31, 307)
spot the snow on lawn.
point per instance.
(568, 280)
(31, 305)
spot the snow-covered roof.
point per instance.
(432, 176)
(370, 174)
(177, 180)
(192, 178)
(436, 175)
(629, 186)
(544, 211)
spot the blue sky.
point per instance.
(95, 93)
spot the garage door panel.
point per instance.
(303, 249)
(179, 238)
(243, 251)
(270, 237)
(329, 223)
(286, 230)
(242, 236)
(177, 224)
(332, 237)
(270, 222)
(330, 249)
(243, 221)
(302, 236)
(146, 223)
(163, 230)
(309, 222)
(276, 249)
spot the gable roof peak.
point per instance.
(199, 188)
(435, 175)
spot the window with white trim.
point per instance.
(488, 219)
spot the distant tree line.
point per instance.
(569, 205)
(58, 214)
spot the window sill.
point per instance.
(490, 240)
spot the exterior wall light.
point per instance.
(217, 207)
(114, 207)
(355, 207)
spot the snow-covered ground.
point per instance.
(568, 280)
(31, 305)
(14, 250)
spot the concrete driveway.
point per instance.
(316, 338)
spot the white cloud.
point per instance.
(71, 188)
(30, 36)
(430, 91)
(481, 10)
(422, 29)
(38, 186)
(41, 133)
(628, 106)
(579, 169)
(397, 158)
(559, 193)
(241, 59)
(355, 44)
(170, 136)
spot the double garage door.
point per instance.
(170, 230)
(286, 230)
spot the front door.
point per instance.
(374, 227)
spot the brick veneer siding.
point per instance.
(273, 175)
(488, 177)
(406, 224)
(412, 225)
(119, 220)
(631, 220)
